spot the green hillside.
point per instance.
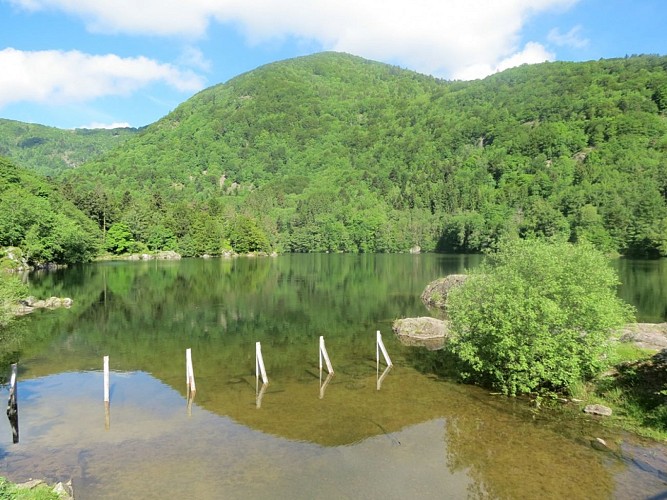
(36, 218)
(50, 150)
(331, 152)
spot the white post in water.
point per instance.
(189, 374)
(259, 364)
(107, 408)
(12, 404)
(379, 346)
(325, 355)
(323, 386)
(106, 379)
(260, 395)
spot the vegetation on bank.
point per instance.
(635, 387)
(38, 220)
(536, 315)
(11, 491)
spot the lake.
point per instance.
(410, 435)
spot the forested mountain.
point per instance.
(50, 150)
(35, 217)
(332, 152)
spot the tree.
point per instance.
(537, 315)
(245, 236)
(119, 239)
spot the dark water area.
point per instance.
(417, 436)
(644, 285)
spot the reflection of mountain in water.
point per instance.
(144, 315)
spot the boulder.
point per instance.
(435, 293)
(424, 332)
(646, 335)
(169, 255)
(604, 411)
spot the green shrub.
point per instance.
(9, 491)
(537, 315)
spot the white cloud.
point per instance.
(107, 125)
(439, 37)
(192, 57)
(531, 54)
(572, 38)
(59, 77)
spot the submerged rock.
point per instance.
(425, 332)
(600, 444)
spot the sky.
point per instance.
(111, 63)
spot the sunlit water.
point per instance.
(418, 436)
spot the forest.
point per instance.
(334, 153)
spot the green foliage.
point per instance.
(638, 392)
(11, 290)
(245, 236)
(50, 150)
(332, 152)
(119, 239)
(36, 218)
(10, 491)
(536, 315)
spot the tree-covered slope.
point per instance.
(50, 150)
(333, 152)
(35, 217)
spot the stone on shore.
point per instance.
(435, 293)
(646, 335)
(604, 411)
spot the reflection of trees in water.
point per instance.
(11, 339)
(510, 456)
(145, 314)
(509, 450)
(644, 284)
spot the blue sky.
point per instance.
(100, 63)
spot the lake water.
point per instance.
(417, 436)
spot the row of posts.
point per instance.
(191, 389)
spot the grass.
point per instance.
(635, 389)
(10, 491)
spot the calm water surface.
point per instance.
(418, 436)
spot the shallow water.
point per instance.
(417, 437)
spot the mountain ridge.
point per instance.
(332, 152)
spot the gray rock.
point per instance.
(425, 332)
(604, 411)
(435, 293)
(646, 335)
